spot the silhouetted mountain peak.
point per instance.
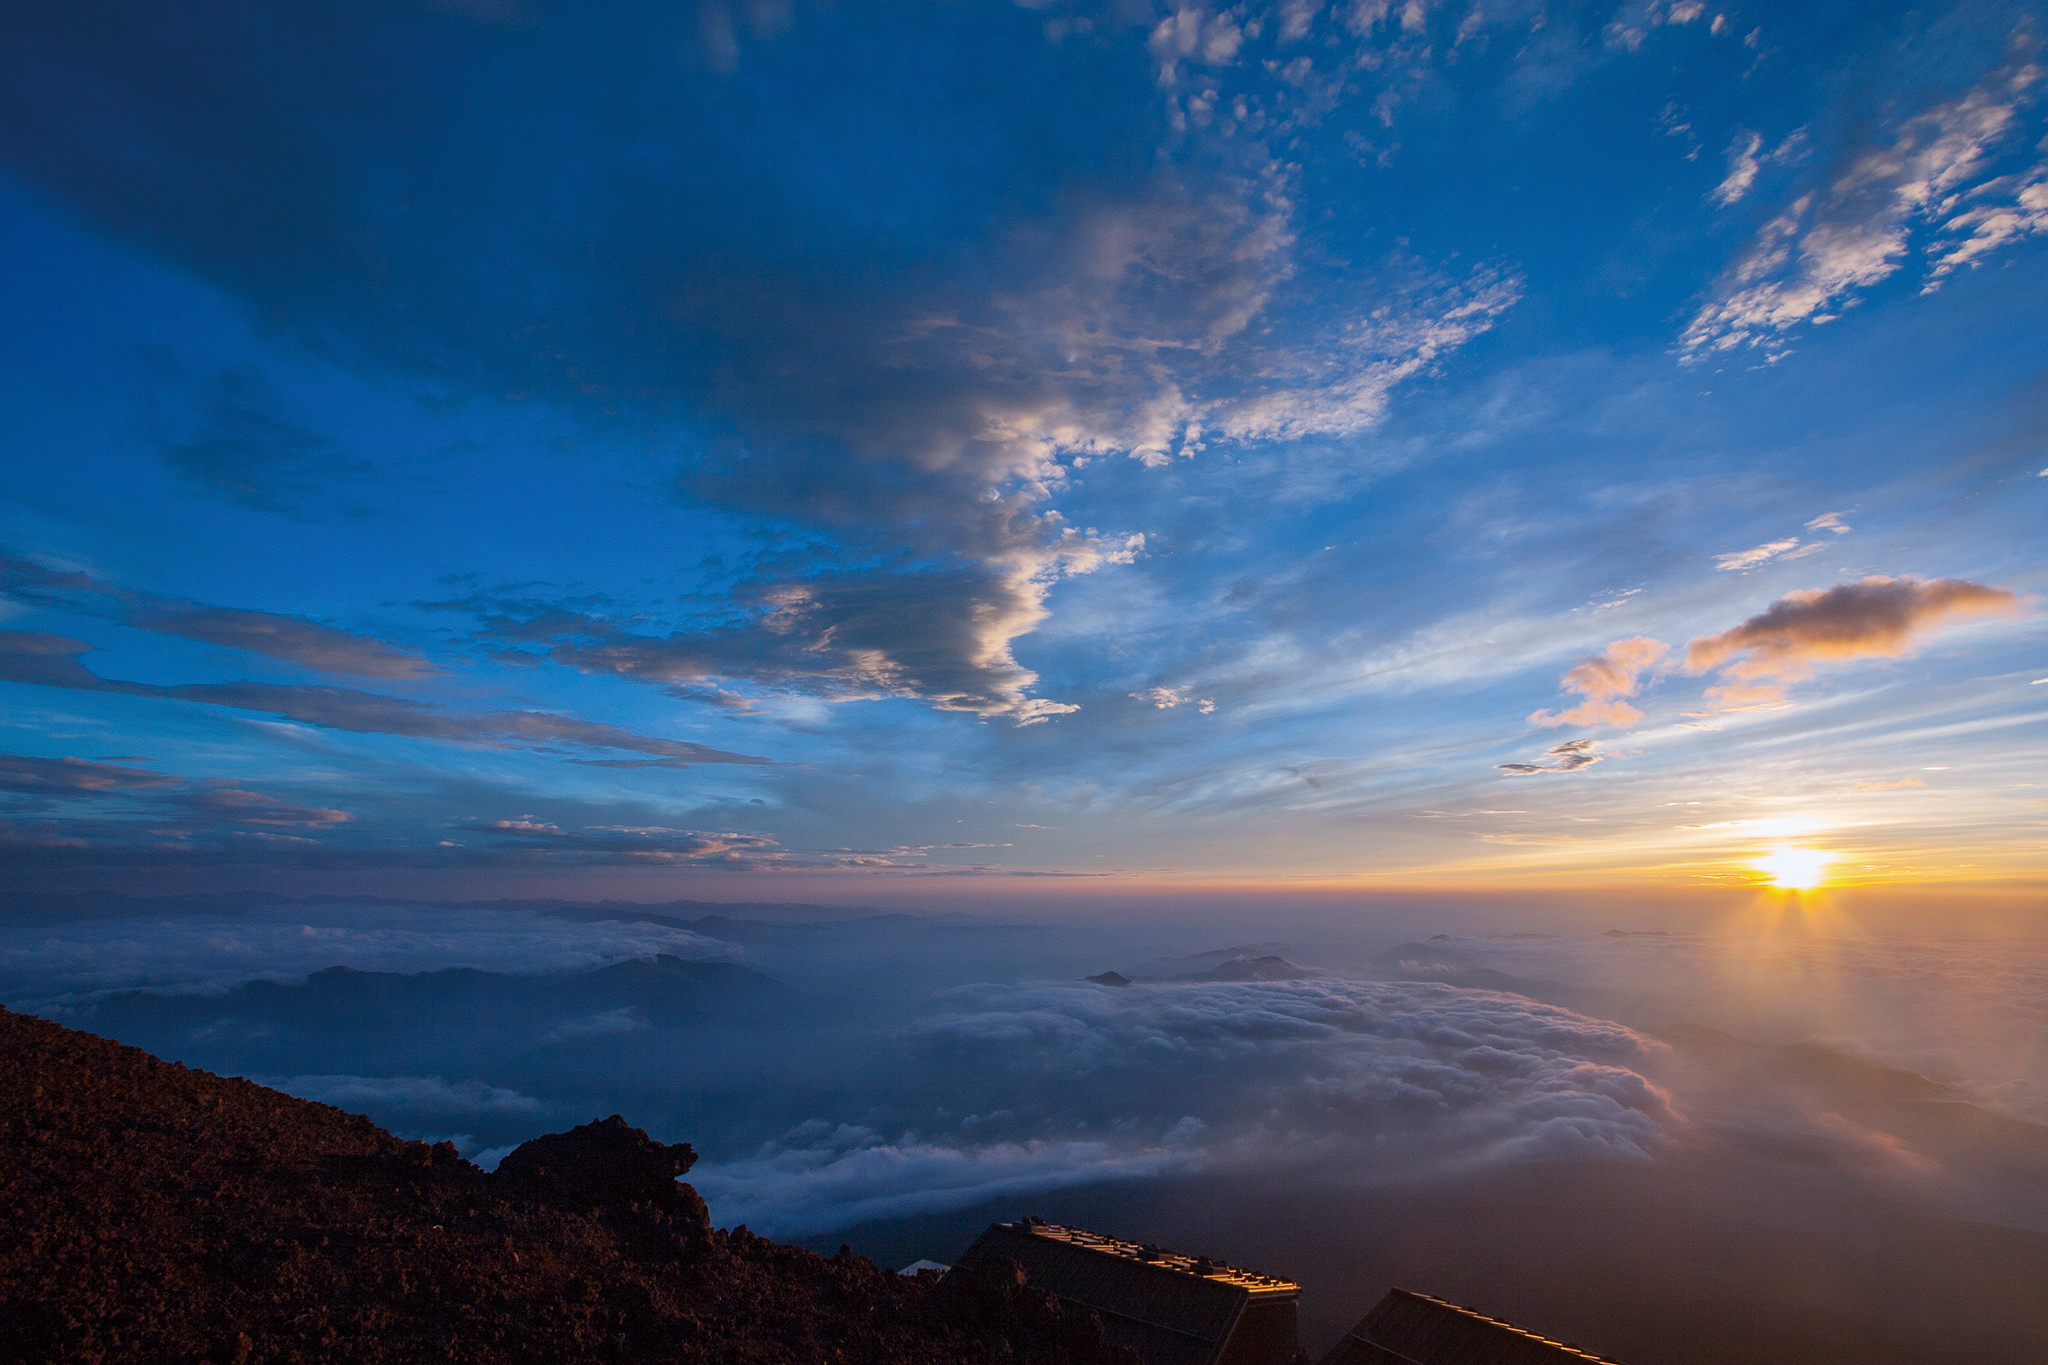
(1271, 967)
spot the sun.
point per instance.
(1795, 869)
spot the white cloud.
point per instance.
(1073, 1084)
(1788, 548)
(605, 1025)
(1742, 168)
(819, 1177)
(1855, 230)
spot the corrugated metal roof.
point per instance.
(1407, 1328)
(1173, 1309)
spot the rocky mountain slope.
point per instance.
(149, 1212)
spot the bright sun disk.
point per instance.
(1796, 869)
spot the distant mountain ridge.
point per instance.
(341, 1019)
(663, 983)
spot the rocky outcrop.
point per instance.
(610, 1169)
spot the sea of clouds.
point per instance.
(1037, 1086)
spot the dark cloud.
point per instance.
(1567, 757)
(74, 777)
(292, 638)
(1877, 617)
(229, 803)
(244, 447)
(1066, 271)
(52, 660)
(286, 637)
(60, 848)
(943, 636)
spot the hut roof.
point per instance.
(1172, 1309)
(1406, 1328)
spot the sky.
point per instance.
(1531, 514)
(661, 450)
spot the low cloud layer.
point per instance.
(1071, 1084)
(1964, 1012)
(426, 1095)
(1875, 618)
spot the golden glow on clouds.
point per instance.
(1796, 869)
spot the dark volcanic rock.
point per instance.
(153, 1213)
(605, 1162)
(609, 1166)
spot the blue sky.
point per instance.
(655, 447)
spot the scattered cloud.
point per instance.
(1603, 680)
(1902, 784)
(1877, 617)
(53, 661)
(1855, 230)
(1742, 168)
(1829, 521)
(1788, 548)
(74, 777)
(1746, 158)
(292, 638)
(1166, 698)
(1568, 757)
(228, 802)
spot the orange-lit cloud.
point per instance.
(1903, 784)
(1876, 618)
(1603, 680)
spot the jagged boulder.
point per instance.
(609, 1166)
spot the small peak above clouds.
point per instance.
(1166, 968)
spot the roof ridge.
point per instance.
(1146, 1253)
(1516, 1328)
